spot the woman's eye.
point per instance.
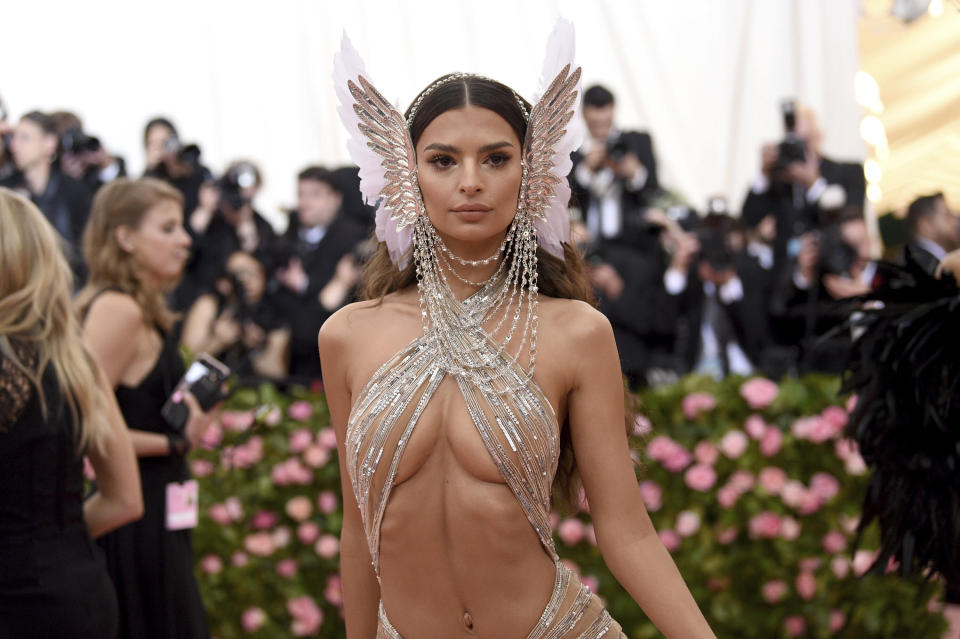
(442, 161)
(498, 159)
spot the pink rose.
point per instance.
(300, 439)
(790, 529)
(219, 514)
(264, 519)
(333, 591)
(765, 525)
(771, 441)
(670, 539)
(679, 459)
(840, 567)
(700, 478)
(809, 564)
(652, 495)
(316, 456)
(281, 537)
(327, 438)
(660, 446)
(300, 410)
(327, 502)
(734, 443)
(199, 467)
(211, 564)
(755, 426)
(851, 404)
(90, 473)
(287, 568)
(591, 535)
(834, 542)
(793, 493)
(795, 625)
(727, 496)
(821, 430)
(772, 480)
(307, 617)
(279, 475)
(688, 523)
(237, 420)
(706, 453)
(806, 585)
(742, 480)
(307, 532)
(836, 417)
(849, 524)
(212, 436)
(591, 582)
(727, 535)
(249, 454)
(801, 427)
(239, 559)
(810, 503)
(234, 508)
(844, 448)
(774, 591)
(642, 426)
(854, 464)
(825, 486)
(571, 531)
(273, 417)
(862, 560)
(253, 618)
(836, 620)
(299, 508)
(582, 502)
(327, 546)
(260, 544)
(696, 403)
(759, 392)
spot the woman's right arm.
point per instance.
(111, 331)
(118, 499)
(361, 592)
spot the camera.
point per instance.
(792, 148)
(188, 154)
(617, 149)
(836, 256)
(75, 141)
(234, 182)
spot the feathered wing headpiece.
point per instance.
(381, 147)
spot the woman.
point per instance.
(237, 323)
(136, 246)
(476, 383)
(55, 406)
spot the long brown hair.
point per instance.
(566, 278)
(36, 313)
(123, 202)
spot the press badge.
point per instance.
(182, 505)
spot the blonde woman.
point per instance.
(136, 247)
(55, 405)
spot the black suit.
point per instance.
(915, 253)
(795, 214)
(304, 310)
(632, 201)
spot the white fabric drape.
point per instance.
(252, 79)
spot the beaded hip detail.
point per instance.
(516, 423)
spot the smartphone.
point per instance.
(205, 379)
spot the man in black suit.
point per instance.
(934, 231)
(64, 201)
(614, 177)
(800, 187)
(319, 268)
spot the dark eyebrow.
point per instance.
(452, 149)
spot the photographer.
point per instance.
(798, 185)
(178, 164)
(65, 202)
(832, 265)
(614, 175)
(237, 323)
(933, 230)
(317, 264)
(82, 156)
(224, 222)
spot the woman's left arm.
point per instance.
(625, 534)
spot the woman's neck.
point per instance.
(484, 258)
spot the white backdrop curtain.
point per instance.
(252, 79)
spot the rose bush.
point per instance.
(747, 481)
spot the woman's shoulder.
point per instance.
(356, 320)
(573, 318)
(119, 308)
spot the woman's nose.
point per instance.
(470, 180)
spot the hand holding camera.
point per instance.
(192, 406)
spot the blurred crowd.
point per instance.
(744, 283)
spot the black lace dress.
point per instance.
(52, 578)
(152, 567)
